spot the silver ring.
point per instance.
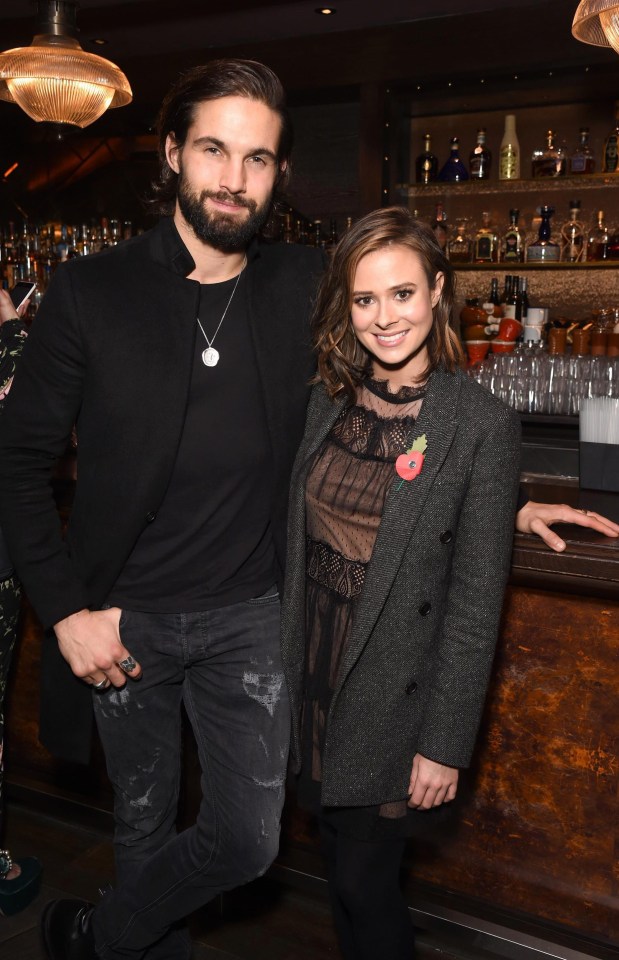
(102, 684)
(128, 664)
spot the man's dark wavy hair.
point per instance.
(219, 78)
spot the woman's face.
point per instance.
(391, 312)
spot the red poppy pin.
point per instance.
(409, 464)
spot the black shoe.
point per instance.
(18, 893)
(67, 931)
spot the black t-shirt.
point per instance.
(210, 544)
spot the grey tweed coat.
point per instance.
(415, 674)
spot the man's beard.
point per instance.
(225, 232)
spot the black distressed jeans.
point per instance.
(225, 666)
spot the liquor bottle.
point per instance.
(494, 295)
(317, 238)
(597, 240)
(524, 293)
(544, 250)
(507, 288)
(610, 160)
(454, 170)
(512, 244)
(486, 247)
(459, 247)
(549, 162)
(287, 231)
(512, 308)
(509, 157)
(573, 235)
(440, 227)
(426, 164)
(582, 159)
(332, 239)
(480, 158)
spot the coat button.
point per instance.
(425, 608)
(446, 537)
(412, 686)
(150, 516)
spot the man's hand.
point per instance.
(90, 643)
(537, 518)
(431, 783)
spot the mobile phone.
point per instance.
(21, 291)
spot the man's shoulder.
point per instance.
(126, 254)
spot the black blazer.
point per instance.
(415, 674)
(112, 351)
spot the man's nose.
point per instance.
(232, 176)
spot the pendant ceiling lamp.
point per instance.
(597, 22)
(55, 80)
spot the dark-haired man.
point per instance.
(183, 356)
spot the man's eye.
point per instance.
(259, 161)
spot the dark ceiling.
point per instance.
(444, 48)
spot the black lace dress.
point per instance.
(345, 495)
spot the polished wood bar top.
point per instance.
(590, 564)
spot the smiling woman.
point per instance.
(396, 570)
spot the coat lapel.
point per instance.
(404, 504)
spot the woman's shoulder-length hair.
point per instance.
(342, 362)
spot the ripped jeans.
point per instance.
(224, 665)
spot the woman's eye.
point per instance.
(363, 301)
(404, 294)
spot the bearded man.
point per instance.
(183, 357)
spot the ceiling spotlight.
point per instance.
(55, 80)
(326, 11)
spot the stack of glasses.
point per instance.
(533, 381)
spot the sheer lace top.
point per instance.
(353, 471)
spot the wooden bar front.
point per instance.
(537, 830)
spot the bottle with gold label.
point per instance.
(512, 242)
(426, 164)
(610, 160)
(486, 249)
(573, 236)
(509, 155)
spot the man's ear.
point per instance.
(172, 150)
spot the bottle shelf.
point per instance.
(592, 181)
(514, 267)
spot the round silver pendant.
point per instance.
(210, 357)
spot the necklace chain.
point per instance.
(210, 356)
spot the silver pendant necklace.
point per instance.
(210, 356)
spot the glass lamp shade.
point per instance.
(55, 80)
(597, 22)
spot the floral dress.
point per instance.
(348, 482)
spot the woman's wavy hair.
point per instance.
(342, 362)
(212, 81)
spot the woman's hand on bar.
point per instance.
(537, 518)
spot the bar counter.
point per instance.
(535, 833)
